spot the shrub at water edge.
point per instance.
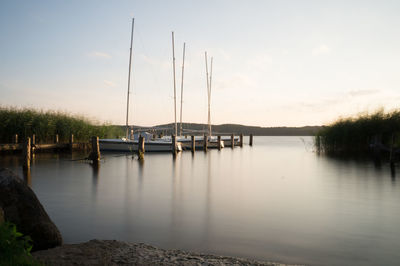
(353, 135)
(45, 125)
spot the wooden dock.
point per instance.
(29, 146)
(56, 145)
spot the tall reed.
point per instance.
(45, 125)
(356, 134)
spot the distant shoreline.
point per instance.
(198, 129)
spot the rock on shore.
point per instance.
(21, 207)
(111, 252)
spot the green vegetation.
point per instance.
(14, 247)
(45, 125)
(354, 135)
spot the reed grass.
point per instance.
(356, 134)
(45, 125)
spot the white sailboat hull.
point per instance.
(121, 145)
(199, 142)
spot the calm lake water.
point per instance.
(277, 200)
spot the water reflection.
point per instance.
(325, 210)
(95, 178)
(393, 171)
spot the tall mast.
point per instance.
(209, 100)
(173, 65)
(183, 68)
(129, 82)
(208, 94)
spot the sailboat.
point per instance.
(130, 143)
(199, 140)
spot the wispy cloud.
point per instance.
(355, 93)
(321, 50)
(99, 55)
(351, 96)
(109, 83)
(153, 61)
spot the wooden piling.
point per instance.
(193, 144)
(95, 154)
(141, 148)
(241, 140)
(33, 143)
(219, 143)
(15, 139)
(232, 141)
(71, 142)
(205, 143)
(251, 140)
(131, 135)
(56, 138)
(173, 143)
(26, 151)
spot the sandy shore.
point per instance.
(112, 252)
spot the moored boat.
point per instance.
(130, 142)
(126, 145)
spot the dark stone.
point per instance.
(1, 215)
(22, 207)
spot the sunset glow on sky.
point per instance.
(276, 63)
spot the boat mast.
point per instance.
(173, 65)
(208, 96)
(183, 68)
(209, 100)
(129, 82)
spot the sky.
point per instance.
(275, 63)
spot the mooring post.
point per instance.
(193, 144)
(219, 143)
(56, 139)
(173, 143)
(71, 142)
(95, 154)
(15, 139)
(205, 143)
(241, 140)
(33, 142)
(251, 140)
(141, 148)
(232, 141)
(131, 135)
(26, 150)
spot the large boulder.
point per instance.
(22, 207)
(1, 215)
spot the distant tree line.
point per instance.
(200, 129)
